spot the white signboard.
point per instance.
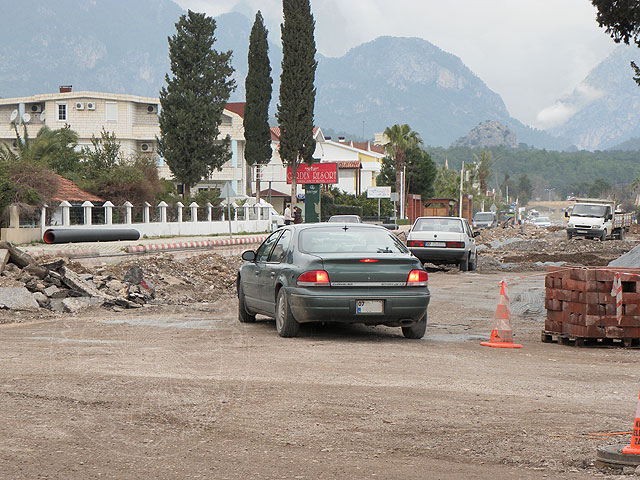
(379, 192)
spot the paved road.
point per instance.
(188, 392)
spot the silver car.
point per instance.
(444, 240)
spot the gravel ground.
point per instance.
(185, 391)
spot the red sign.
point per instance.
(315, 173)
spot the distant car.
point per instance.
(444, 240)
(485, 220)
(344, 219)
(334, 273)
(542, 222)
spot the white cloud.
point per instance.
(554, 115)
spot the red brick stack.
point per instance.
(579, 302)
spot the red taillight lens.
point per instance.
(455, 244)
(417, 278)
(313, 278)
(368, 260)
(415, 243)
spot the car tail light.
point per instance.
(313, 278)
(417, 278)
(415, 243)
(455, 244)
(369, 260)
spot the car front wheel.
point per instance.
(286, 325)
(417, 330)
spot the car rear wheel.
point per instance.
(417, 330)
(464, 264)
(286, 325)
(243, 315)
(474, 263)
(621, 234)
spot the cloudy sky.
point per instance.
(531, 52)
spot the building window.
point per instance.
(62, 111)
(112, 111)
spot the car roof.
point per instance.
(304, 226)
(444, 218)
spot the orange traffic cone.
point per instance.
(502, 335)
(634, 447)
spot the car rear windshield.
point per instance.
(342, 239)
(344, 219)
(438, 225)
(542, 220)
(483, 217)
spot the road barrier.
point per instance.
(502, 335)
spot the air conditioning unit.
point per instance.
(91, 105)
(152, 108)
(37, 108)
(79, 106)
(146, 147)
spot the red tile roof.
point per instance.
(69, 191)
(275, 133)
(274, 193)
(236, 107)
(367, 147)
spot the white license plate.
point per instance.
(369, 306)
(582, 231)
(435, 244)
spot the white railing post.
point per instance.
(14, 216)
(108, 212)
(209, 211)
(43, 219)
(194, 211)
(180, 206)
(66, 216)
(87, 207)
(163, 211)
(146, 218)
(127, 213)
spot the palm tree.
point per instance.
(400, 139)
(484, 163)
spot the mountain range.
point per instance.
(121, 46)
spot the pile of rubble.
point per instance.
(55, 284)
(530, 247)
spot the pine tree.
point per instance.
(193, 101)
(297, 91)
(257, 133)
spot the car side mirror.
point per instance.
(609, 217)
(475, 234)
(249, 256)
(566, 214)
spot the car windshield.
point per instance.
(584, 210)
(438, 225)
(343, 219)
(350, 239)
(542, 220)
(483, 217)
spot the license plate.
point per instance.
(369, 306)
(582, 231)
(435, 244)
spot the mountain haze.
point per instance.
(120, 46)
(604, 109)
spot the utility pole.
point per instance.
(461, 185)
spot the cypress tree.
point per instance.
(297, 91)
(257, 133)
(193, 101)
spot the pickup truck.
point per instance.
(594, 218)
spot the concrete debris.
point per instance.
(56, 284)
(4, 258)
(17, 298)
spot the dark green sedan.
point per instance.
(342, 273)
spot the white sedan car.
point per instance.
(443, 240)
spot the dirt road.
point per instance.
(188, 392)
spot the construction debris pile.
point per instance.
(59, 286)
(528, 247)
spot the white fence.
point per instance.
(161, 220)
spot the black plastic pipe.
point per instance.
(85, 235)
